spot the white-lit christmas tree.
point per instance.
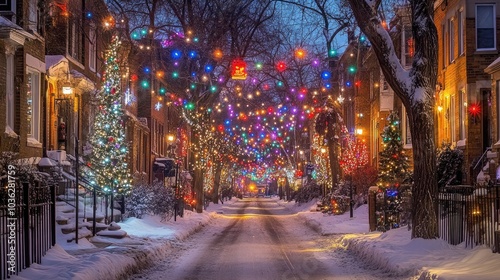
(108, 160)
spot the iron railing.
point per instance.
(27, 224)
(477, 165)
(469, 215)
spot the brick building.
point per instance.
(22, 87)
(465, 110)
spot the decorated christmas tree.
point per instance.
(108, 160)
(393, 163)
(354, 156)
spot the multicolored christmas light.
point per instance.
(108, 161)
(393, 163)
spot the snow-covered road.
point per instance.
(258, 239)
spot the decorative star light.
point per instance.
(340, 99)
(158, 106)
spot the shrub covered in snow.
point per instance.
(155, 199)
(449, 166)
(307, 193)
(163, 201)
(138, 201)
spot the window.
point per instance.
(33, 105)
(137, 145)
(75, 46)
(451, 40)
(498, 110)
(443, 44)
(145, 151)
(92, 48)
(409, 47)
(460, 23)
(405, 128)
(374, 143)
(485, 27)
(384, 86)
(451, 117)
(33, 15)
(155, 136)
(161, 142)
(462, 103)
(10, 88)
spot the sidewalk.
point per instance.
(149, 240)
(396, 252)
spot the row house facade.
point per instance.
(22, 86)
(466, 112)
(466, 96)
(75, 61)
(154, 105)
(53, 58)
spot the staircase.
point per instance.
(483, 170)
(86, 195)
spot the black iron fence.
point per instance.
(27, 224)
(469, 215)
(466, 214)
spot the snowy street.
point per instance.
(258, 239)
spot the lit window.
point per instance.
(485, 27)
(443, 44)
(451, 116)
(462, 103)
(460, 22)
(409, 47)
(33, 105)
(451, 40)
(405, 128)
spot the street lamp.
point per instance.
(170, 141)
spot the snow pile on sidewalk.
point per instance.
(148, 240)
(395, 251)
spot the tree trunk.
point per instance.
(198, 188)
(415, 87)
(333, 156)
(197, 177)
(218, 171)
(424, 190)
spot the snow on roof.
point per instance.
(52, 60)
(7, 27)
(5, 23)
(47, 162)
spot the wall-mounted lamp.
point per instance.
(67, 88)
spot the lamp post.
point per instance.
(170, 141)
(171, 153)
